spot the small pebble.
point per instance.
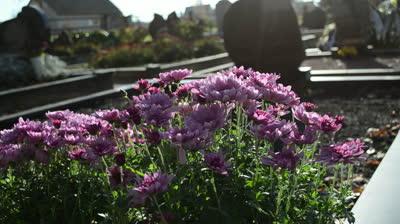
(359, 180)
(373, 163)
(371, 151)
(380, 155)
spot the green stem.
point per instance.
(154, 199)
(215, 192)
(162, 158)
(148, 153)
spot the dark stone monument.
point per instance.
(352, 19)
(220, 10)
(157, 26)
(172, 23)
(28, 33)
(314, 18)
(63, 39)
(21, 38)
(264, 35)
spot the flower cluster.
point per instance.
(324, 123)
(85, 137)
(223, 88)
(240, 124)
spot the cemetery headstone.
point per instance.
(314, 18)
(157, 26)
(264, 35)
(28, 33)
(172, 23)
(220, 10)
(21, 38)
(352, 19)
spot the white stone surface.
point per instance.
(380, 201)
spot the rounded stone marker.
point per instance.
(264, 35)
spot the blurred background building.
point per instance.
(77, 15)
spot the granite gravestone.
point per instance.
(157, 26)
(172, 23)
(264, 35)
(314, 18)
(21, 38)
(352, 19)
(28, 33)
(220, 10)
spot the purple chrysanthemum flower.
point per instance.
(190, 139)
(10, 153)
(59, 115)
(271, 91)
(307, 136)
(324, 123)
(156, 108)
(278, 110)
(281, 94)
(309, 106)
(329, 124)
(250, 106)
(161, 100)
(142, 85)
(346, 152)
(241, 72)
(286, 159)
(262, 117)
(217, 163)
(183, 90)
(102, 146)
(156, 116)
(174, 76)
(133, 113)
(78, 128)
(154, 90)
(222, 88)
(24, 126)
(306, 117)
(9, 136)
(152, 137)
(119, 177)
(30, 132)
(112, 115)
(78, 154)
(260, 81)
(150, 185)
(210, 117)
(273, 130)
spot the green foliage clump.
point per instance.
(123, 56)
(170, 49)
(208, 46)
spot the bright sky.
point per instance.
(144, 9)
(141, 9)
